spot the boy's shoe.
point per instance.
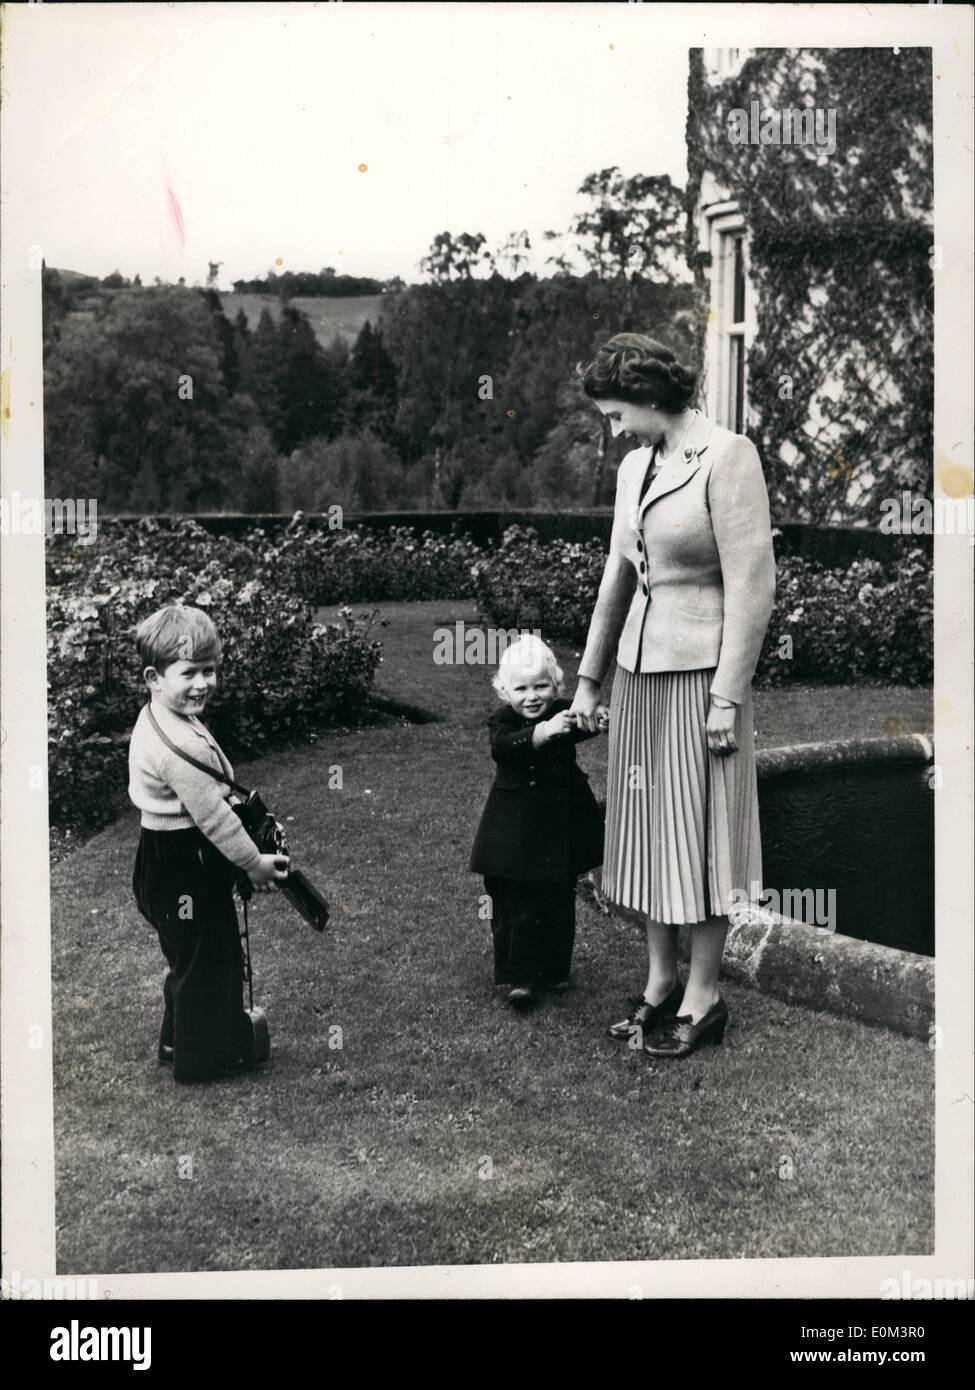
(522, 996)
(165, 1054)
(557, 986)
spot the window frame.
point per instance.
(724, 63)
(726, 230)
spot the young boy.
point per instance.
(541, 826)
(190, 845)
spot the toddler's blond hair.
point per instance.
(526, 654)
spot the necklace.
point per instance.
(665, 459)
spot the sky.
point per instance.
(293, 137)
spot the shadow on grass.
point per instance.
(407, 1115)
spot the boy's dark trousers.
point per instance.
(533, 922)
(183, 887)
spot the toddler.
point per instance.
(541, 826)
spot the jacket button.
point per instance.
(531, 784)
(645, 589)
(642, 566)
(639, 546)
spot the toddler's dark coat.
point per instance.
(541, 820)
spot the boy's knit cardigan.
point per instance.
(174, 795)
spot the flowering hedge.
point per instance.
(854, 624)
(552, 586)
(283, 674)
(364, 565)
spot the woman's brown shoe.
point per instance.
(644, 1016)
(677, 1036)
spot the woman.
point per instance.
(684, 602)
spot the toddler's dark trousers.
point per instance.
(533, 923)
(183, 887)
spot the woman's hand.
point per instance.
(585, 705)
(721, 729)
(602, 717)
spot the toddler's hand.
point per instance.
(269, 868)
(602, 717)
(561, 723)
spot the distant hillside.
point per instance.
(69, 275)
(328, 317)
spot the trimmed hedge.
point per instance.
(836, 625)
(830, 545)
(393, 564)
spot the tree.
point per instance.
(514, 252)
(261, 379)
(308, 391)
(137, 408)
(54, 304)
(230, 363)
(371, 396)
(635, 226)
(371, 367)
(356, 472)
(443, 339)
(456, 258)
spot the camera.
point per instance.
(268, 835)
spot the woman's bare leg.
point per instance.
(662, 957)
(707, 949)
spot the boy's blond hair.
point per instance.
(526, 654)
(176, 633)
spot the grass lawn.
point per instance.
(445, 1129)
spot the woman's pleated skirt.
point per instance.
(682, 831)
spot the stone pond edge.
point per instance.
(805, 965)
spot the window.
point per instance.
(721, 63)
(733, 325)
(731, 322)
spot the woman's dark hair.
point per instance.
(633, 367)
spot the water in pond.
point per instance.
(868, 833)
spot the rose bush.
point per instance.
(283, 674)
(365, 566)
(550, 586)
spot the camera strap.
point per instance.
(245, 951)
(188, 757)
(245, 939)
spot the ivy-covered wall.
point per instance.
(840, 264)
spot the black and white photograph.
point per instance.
(487, 784)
